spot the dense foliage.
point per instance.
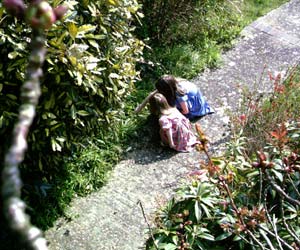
(244, 199)
(89, 71)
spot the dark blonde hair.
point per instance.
(168, 86)
(160, 103)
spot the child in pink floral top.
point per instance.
(175, 129)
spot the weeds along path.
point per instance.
(112, 218)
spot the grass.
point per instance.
(201, 45)
(252, 9)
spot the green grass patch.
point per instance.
(193, 46)
(252, 9)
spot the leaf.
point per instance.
(55, 146)
(198, 211)
(94, 44)
(223, 236)
(73, 112)
(170, 246)
(72, 30)
(13, 97)
(206, 210)
(113, 75)
(73, 60)
(237, 238)
(112, 2)
(82, 113)
(207, 236)
(13, 55)
(175, 239)
(278, 175)
(208, 201)
(85, 29)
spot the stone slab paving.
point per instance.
(112, 218)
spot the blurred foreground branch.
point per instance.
(40, 16)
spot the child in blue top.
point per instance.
(182, 94)
(190, 101)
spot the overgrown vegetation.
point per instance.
(187, 36)
(249, 198)
(88, 96)
(89, 72)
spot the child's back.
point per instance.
(176, 130)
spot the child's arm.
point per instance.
(184, 108)
(170, 138)
(146, 100)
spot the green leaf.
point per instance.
(82, 113)
(170, 246)
(206, 210)
(73, 112)
(13, 97)
(13, 55)
(198, 211)
(72, 30)
(55, 146)
(85, 29)
(278, 175)
(175, 239)
(223, 236)
(207, 236)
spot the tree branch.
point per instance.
(14, 207)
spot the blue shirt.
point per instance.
(194, 99)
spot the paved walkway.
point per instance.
(111, 218)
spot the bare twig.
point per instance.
(280, 191)
(260, 185)
(267, 239)
(149, 227)
(270, 220)
(40, 16)
(281, 240)
(290, 230)
(225, 186)
(294, 187)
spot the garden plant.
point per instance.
(248, 198)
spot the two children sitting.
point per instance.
(176, 101)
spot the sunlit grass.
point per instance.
(252, 9)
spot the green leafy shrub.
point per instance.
(242, 200)
(89, 72)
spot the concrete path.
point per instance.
(112, 218)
